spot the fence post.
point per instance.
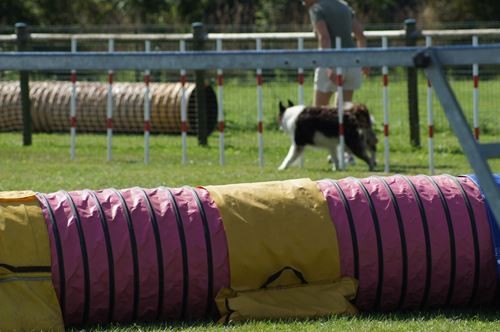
(22, 45)
(411, 40)
(199, 37)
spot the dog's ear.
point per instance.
(290, 104)
(282, 108)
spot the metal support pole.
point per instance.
(22, 45)
(199, 37)
(411, 40)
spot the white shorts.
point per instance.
(352, 79)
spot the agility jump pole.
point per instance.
(184, 125)
(72, 112)
(475, 92)
(340, 105)
(260, 108)
(300, 74)
(147, 107)
(300, 81)
(109, 110)
(385, 102)
(430, 117)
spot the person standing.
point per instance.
(331, 19)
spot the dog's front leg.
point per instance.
(293, 154)
(333, 158)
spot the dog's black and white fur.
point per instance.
(319, 127)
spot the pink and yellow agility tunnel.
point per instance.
(296, 248)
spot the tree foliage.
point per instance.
(258, 14)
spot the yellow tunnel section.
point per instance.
(27, 297)
(283, 252)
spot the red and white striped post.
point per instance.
(220, 106)
(475, 92)
(430, 116)
(72, 111)
(260, 110)
(300, 73)
(300, 80)
(340, 99)
(385, 80)
(147, 107)
(184, 126)
(109, 108)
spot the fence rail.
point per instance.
(370, 34)
(288, 59)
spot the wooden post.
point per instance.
(411, 40)
(199, 37)
(22, 45)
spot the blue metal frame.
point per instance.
(476, 153)
(269, 59)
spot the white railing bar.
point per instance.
(370, 34)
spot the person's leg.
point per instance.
(322, 98)
(353, 79)
(348, 94)
(323, 87)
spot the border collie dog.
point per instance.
(319, 127)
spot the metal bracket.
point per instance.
(476, 153)
(422, 59)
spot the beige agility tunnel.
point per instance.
(50, 107)
(283, 249)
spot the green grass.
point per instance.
(437, 320)
(46, 167)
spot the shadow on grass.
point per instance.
(487, 314)
(416, 169)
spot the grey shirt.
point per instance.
(338, 18)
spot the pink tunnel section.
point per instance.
(413, 242)
(161, 254)
(136, 254)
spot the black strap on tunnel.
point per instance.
(428, 252)
(208, 245)
(85, 258)
(159, 253)
(273, 277)
(109, 251)
(60, 259)
(453, 258)
(25, 269)
(352, 228)
(182, 239)
(404, 249)
(378, 236)
(475, 238)
(133, 245)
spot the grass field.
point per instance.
(46, 167)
